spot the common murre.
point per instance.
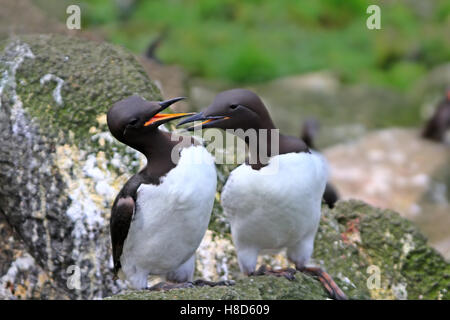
(161, 214)
(269, 209)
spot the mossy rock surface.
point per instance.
(61, 168)
(94, 75)
(354, 242)
(253, 288)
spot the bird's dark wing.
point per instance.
(290, 144)
(330, 196)
(121, 216)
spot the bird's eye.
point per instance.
(233, 106)
(133, 122)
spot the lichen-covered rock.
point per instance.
(395, 168)
(21, 276)
(255, 288)
(371, 253)
(356, 236)
(59, 167)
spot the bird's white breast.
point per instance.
(279, 204)
(171, 218)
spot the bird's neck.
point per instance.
(262, 143)
(159, 153)
(268, 142)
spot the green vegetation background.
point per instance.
(258, 40)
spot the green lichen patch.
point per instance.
(94, 75)
(427, 273)
(355, 236)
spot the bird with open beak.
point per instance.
(270, 205)
(161, 214)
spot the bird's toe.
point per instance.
(288, 273)
(202, 283)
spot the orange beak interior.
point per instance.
(206, 121)
(158, 117)
(209, 120)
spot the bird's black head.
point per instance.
(233, 109)
(133, 119)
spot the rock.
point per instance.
(256, 288)
(60, 168)
(397, 169)
(20, 276)
(355, 243)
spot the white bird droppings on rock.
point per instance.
(22, 263)
(399, 291)
(13, 56)
(57, 91)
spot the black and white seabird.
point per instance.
(308, 134)
(438, 125)
(161, 214)
(269, 207)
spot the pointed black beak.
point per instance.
(207, 121)
(161, 118)
(196, 117)
(167, 103)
